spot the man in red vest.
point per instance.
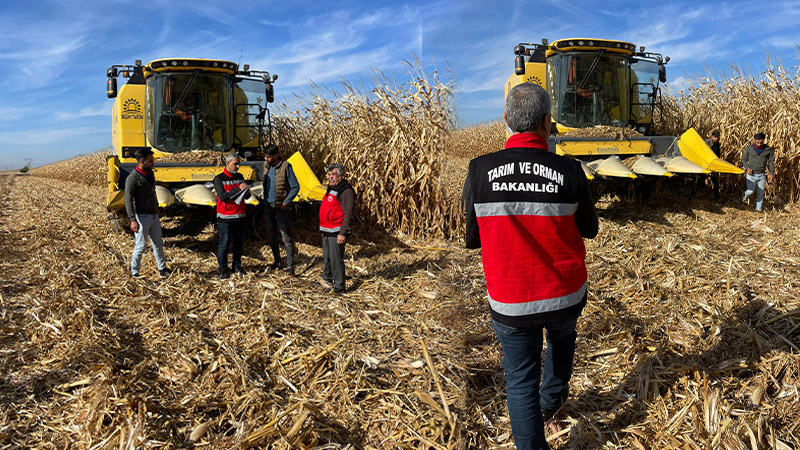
(529, 209)
(335, 215)
(232, 192)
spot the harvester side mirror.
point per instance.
(112, 72)
(662, 73)
(270, 93)
(519, 60)
(111, 87)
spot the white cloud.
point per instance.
(89, 111)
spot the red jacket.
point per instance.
(334, 217)
(527, 209)
(226, 185)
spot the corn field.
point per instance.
(740, 105)
(389, 140)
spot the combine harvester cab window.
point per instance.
(644, 90)
(250, 109)
(588, 88)
(189, 111)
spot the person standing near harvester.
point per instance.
(335, 215)
(141, 204)
(529, 209)
(231, 211)
(280, 189)
(755, 160)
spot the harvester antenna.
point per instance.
(241, 52)
(638, 32)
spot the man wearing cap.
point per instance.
(528, 211)
(141, 204)
(713, 143)
(756, 159)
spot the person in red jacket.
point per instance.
(529, 209)
(335, 215)
(231, 191)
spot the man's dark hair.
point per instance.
(142, 153)
(715, 133)
(760, 136)
(271, 149)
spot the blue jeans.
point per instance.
(149, 227)
(522, 350)
(230, 230)
(756, 183)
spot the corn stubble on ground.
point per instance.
(689, 340)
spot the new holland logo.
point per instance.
(131, 109)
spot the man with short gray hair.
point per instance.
(529, 209)
(335, 215)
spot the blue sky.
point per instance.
(54, 54)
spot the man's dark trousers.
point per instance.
(333, 257)
(230, 230)
(277, 218)
(522, 350)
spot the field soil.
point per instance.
(689, 339)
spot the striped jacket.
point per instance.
(528, 209)
(226, 185)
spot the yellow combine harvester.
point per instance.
(598, 82)
(178, 105)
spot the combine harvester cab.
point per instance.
(190, 113)
(604, 96)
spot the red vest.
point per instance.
(525, 199)
(331, 215)
(230, 210)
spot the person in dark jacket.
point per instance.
(335, 215)
(141, 204)
(280, 189)
(700, 183)
(529, 209)
(756, 159)
(232, 192)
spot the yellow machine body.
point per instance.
(178, 105)
(594, 82)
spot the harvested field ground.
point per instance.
(689, 340)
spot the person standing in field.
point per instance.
(141, 204)
(528, 210)
(755, 160)
(713, 143)
(231, 210)
(335, 215)
(280, 189)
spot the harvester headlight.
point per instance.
(216, 64)
(209, 185)
(174, 63)
(580, 43)
(571, 43)
(642, 130)
(185, 63)
(619, 45)
(248, 154)
(591, 43)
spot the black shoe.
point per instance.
(224, 275)
(275, 266)
(338, 291)
(290, 271)
(240, 271)
(165, 272)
